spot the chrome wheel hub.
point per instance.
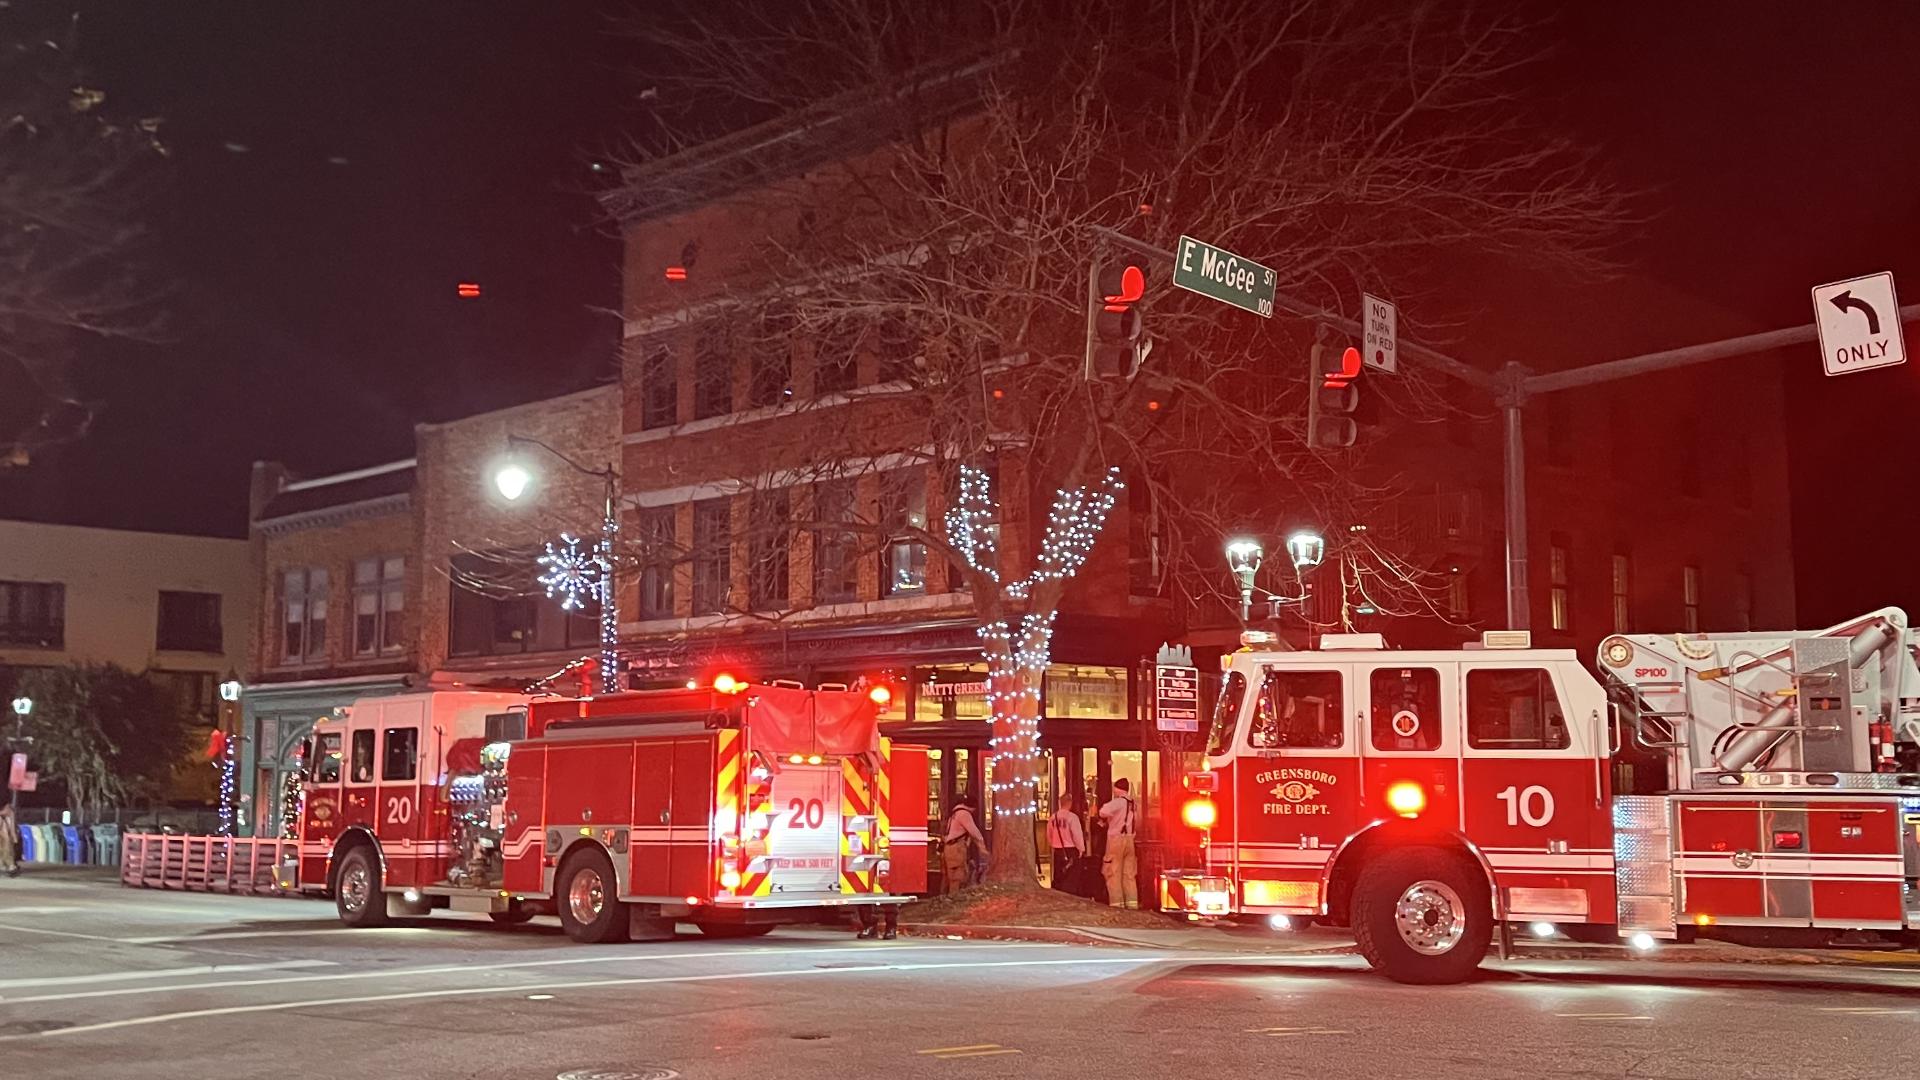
(354, 887)
(1430, 917)
(586, 897)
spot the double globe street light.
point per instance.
(1244, 556)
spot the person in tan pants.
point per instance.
(956, 847)
(1121, 867)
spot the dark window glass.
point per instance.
(402, 754)
(659, 551)
(1404, 705)
(712, 375)
(33, 614)
(836, 358)
(769, 531)
(836, 568)
(712, 555)
(484, 619)
(1298, 708)
(362, 771)
(1514, 709)
(1146, 544)
(1226, 713)
(189, 622)
(659, 390)
(903, 501)
(327, 767)
(899, 345)
(303, 599)
(770, 374)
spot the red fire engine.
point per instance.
(1770, 788)
(735, 807)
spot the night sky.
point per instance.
(339, 167)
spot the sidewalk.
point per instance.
(1893, 970)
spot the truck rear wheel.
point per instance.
(1423, 916)
(357, 894)
(589, 910)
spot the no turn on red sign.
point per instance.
(1859, 324)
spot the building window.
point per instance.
(836, 566)
(712, 555)
(769, 541)
(712, 374)
(401, 753)
(303, 606)
(903, 507)
(1622, 603)
(1560, 582)
(899, 344)
(659, 390)
(1690, 599)
(1559, 432)
(770, 382)
(1514, 709)
(379, 605)
(1459, 597)
(659, 551)
(33, 614)
(836, 359)
(488, 616)
(189, 622)
(192, 692)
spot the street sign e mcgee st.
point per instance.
(1380, 323)
(1859, 324)
(1220, 274)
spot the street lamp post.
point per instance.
(22, 707)
(1243, 558)
(569, 572)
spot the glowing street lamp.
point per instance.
(1243, 558)
(1306, 549)
(22, 706)
(512, 480)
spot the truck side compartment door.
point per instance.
(652, 851)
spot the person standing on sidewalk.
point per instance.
(9, 842)
(1121, 867)
(1068, 842)
(957, 846)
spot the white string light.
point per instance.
(1073, 524)
(572, 573)
(970, 525)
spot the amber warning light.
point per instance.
(1200, 813)
(880, 696)
(1406, 798)
(725, 683)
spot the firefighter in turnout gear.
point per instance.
(1121, 866)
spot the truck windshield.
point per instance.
(326, 758)
(1226, 713)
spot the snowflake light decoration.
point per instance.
(573, 574)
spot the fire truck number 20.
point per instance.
(810, 814)
(1533, 805)
(399, 810)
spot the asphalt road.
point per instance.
(101, 982)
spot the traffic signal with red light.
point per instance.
(1117, 339)
(1332, 399)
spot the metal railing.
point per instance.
(225, 864)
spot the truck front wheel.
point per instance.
(1423, 916)
(357, 894)
(589, 910)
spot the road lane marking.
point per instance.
(40, 910)
(1284, 1032)
(160, 973)
(656, 980)
(62, 933)
(1601, 1016)
(1864, 1010)
(949, 1053)
(399, 973)
(216, 936)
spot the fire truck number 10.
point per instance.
(1533, 805)
(810, 814)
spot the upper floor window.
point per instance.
(1690, 599)
(712, 374)
(488, 616)
(899, 344)
(769, 528)
(712, 555)
(379, 605)
(903, 504)
(1514, 709)
(836, 359)
(303, 609)
(189, 622)
(192, 692)
(1622, 592)
(1299, 708)
(1560, 582)
(659, 390)
(659, 551)
(33, 614)
(770, 371)
(836, 567)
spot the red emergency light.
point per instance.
(467, 289)
(676, 273)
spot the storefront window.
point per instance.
(1092, 692)
(956, 692)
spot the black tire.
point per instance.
(357, 894)
(1449, 923)
(733, 930)
(516, 913)
(585, 896)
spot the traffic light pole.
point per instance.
(1516, 384)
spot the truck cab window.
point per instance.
(1226, 713)
(1514, 709)
(326, 758)
(1298, 708)
(362, 771)
(1404, 708)
(402, 755)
